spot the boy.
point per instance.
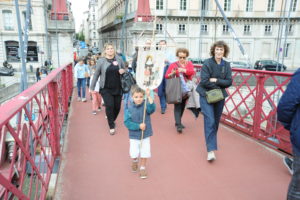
(133, 120)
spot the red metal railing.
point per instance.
(252, 104)
(30, 128)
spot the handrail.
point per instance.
(252, 103)
(30, 131)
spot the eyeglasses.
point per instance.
(182, 58)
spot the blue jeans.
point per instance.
(294, 187)
(212, 115)
(81, 84)
(126, 98)
(163, 102)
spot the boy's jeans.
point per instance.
(81, 84)
(212, 115)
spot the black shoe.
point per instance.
(163, 112)
(181, 125)
(179, 129)
(289, 164)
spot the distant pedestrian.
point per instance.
(139, 147)
(80, 72)
(38, 74)
(215, 74)
(288, 113)
(170, 58)
(96, 97)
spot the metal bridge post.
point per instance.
(65, 90)
(258, 105)
(53, 95)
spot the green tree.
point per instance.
(81, 36)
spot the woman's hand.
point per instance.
(213, 80)
(182, 70)
(121, 71)
(93, 92)
(173, 72)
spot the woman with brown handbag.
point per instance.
(185, 70)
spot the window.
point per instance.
(287, 49)
(8, 20)
(32, 52)
(268, 30)
(30, 23)
(247, 30)
(249, 6)
(294, 5)
(159, 4)
(227, 5)
(204, 5)
(182, 4)
(159, 27)
(225, 29)
(204, 28)
(94, 24)
(182, 28)
(271, 4)
(94, 35)
(93, 8)
(95, 44)
(12, 51)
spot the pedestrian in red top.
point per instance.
(184, 69)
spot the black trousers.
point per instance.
(112, 107)
(178, 111)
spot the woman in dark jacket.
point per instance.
(215, 74)
(109, 68)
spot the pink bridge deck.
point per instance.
(96, 165)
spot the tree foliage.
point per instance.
(80, 36)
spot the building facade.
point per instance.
(197, 24)
(42, 38)
(92, 24)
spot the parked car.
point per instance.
(6, 71)
(197, 61)
(269, 65)
(239, 64)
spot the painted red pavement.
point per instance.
(97, 166)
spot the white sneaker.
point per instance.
(78, 99)
(211, 156)
(112, 131)
(83, 99)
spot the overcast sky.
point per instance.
(78, 7)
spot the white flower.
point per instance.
(115, 63)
